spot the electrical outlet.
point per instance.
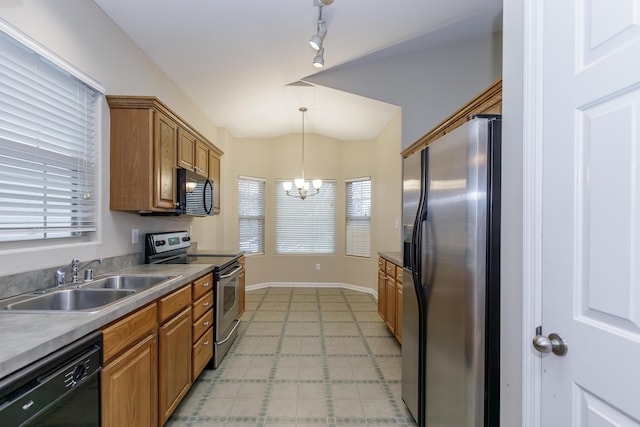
(317, 267)
(135, 236)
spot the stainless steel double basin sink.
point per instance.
(85, 297)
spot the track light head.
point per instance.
(317, 39)
(316, 42)
(318, 61)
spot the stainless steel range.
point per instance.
(173, 248)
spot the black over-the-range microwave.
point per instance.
(195, 194)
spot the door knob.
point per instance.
(554, 343)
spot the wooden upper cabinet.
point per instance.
(186, 149)
(166, 132)
(193, 154)
(148, 143)
(214, 177)
(201, 159)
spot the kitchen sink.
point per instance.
(69, 300)
(129, 282)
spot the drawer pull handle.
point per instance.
(205, 285)
(206, 304)
(206, 323)
(206, 343)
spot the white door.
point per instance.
(591, 211)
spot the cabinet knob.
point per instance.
(205, 343)
(205, 285)
(206, 323)
(206, 304)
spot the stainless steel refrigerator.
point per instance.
(451, 300)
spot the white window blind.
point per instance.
(251, 214)
(358, 217)
(306, 226)
(48, 133)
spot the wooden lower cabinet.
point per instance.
(382, 292)
(390, 289)
(129, 378)
(399, 296)
(130, 387)
(174, 373)
(390, 316)
(153, 355)
(202, 352)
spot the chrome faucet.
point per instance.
(61, 274)
(75, 268)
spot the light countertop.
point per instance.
(393, 256)
(28, 337)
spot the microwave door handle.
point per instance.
(232, 273)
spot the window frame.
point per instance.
(260, 218)
(325, 201)
(352, 247)
(19, 150)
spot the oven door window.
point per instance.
(229, 296)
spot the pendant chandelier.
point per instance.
(300, 183)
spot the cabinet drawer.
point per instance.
(381, 263)
(399, 274)
(203, 304)
(202, 324)
(202, 352)
(125, 332)
(202, 285)
(173, 303)
(390, 269)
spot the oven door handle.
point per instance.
(232, 273)
(230, 333)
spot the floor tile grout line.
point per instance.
(381, 378)
(221, 368)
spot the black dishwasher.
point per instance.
(61, 389)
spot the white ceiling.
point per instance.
(240, 61)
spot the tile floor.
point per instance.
(304, 357)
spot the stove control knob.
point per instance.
(186, 239)
(160, 242)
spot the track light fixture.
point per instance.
(317, 39)
(321, 31)
(318, 61)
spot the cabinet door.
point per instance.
(164, 154)
(186, 150)
(382, 293)
(201, 159)
(390, 318)
(175, 362)
(399, 291)
(214, 177)
(202, 352)
(130, 387)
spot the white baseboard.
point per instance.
(313, 285)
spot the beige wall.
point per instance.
(325, 158)
(81, 34)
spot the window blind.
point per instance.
(306, 226)
(358, 217)
(251, 214)
(48, 133)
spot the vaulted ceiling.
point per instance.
(244, 62)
